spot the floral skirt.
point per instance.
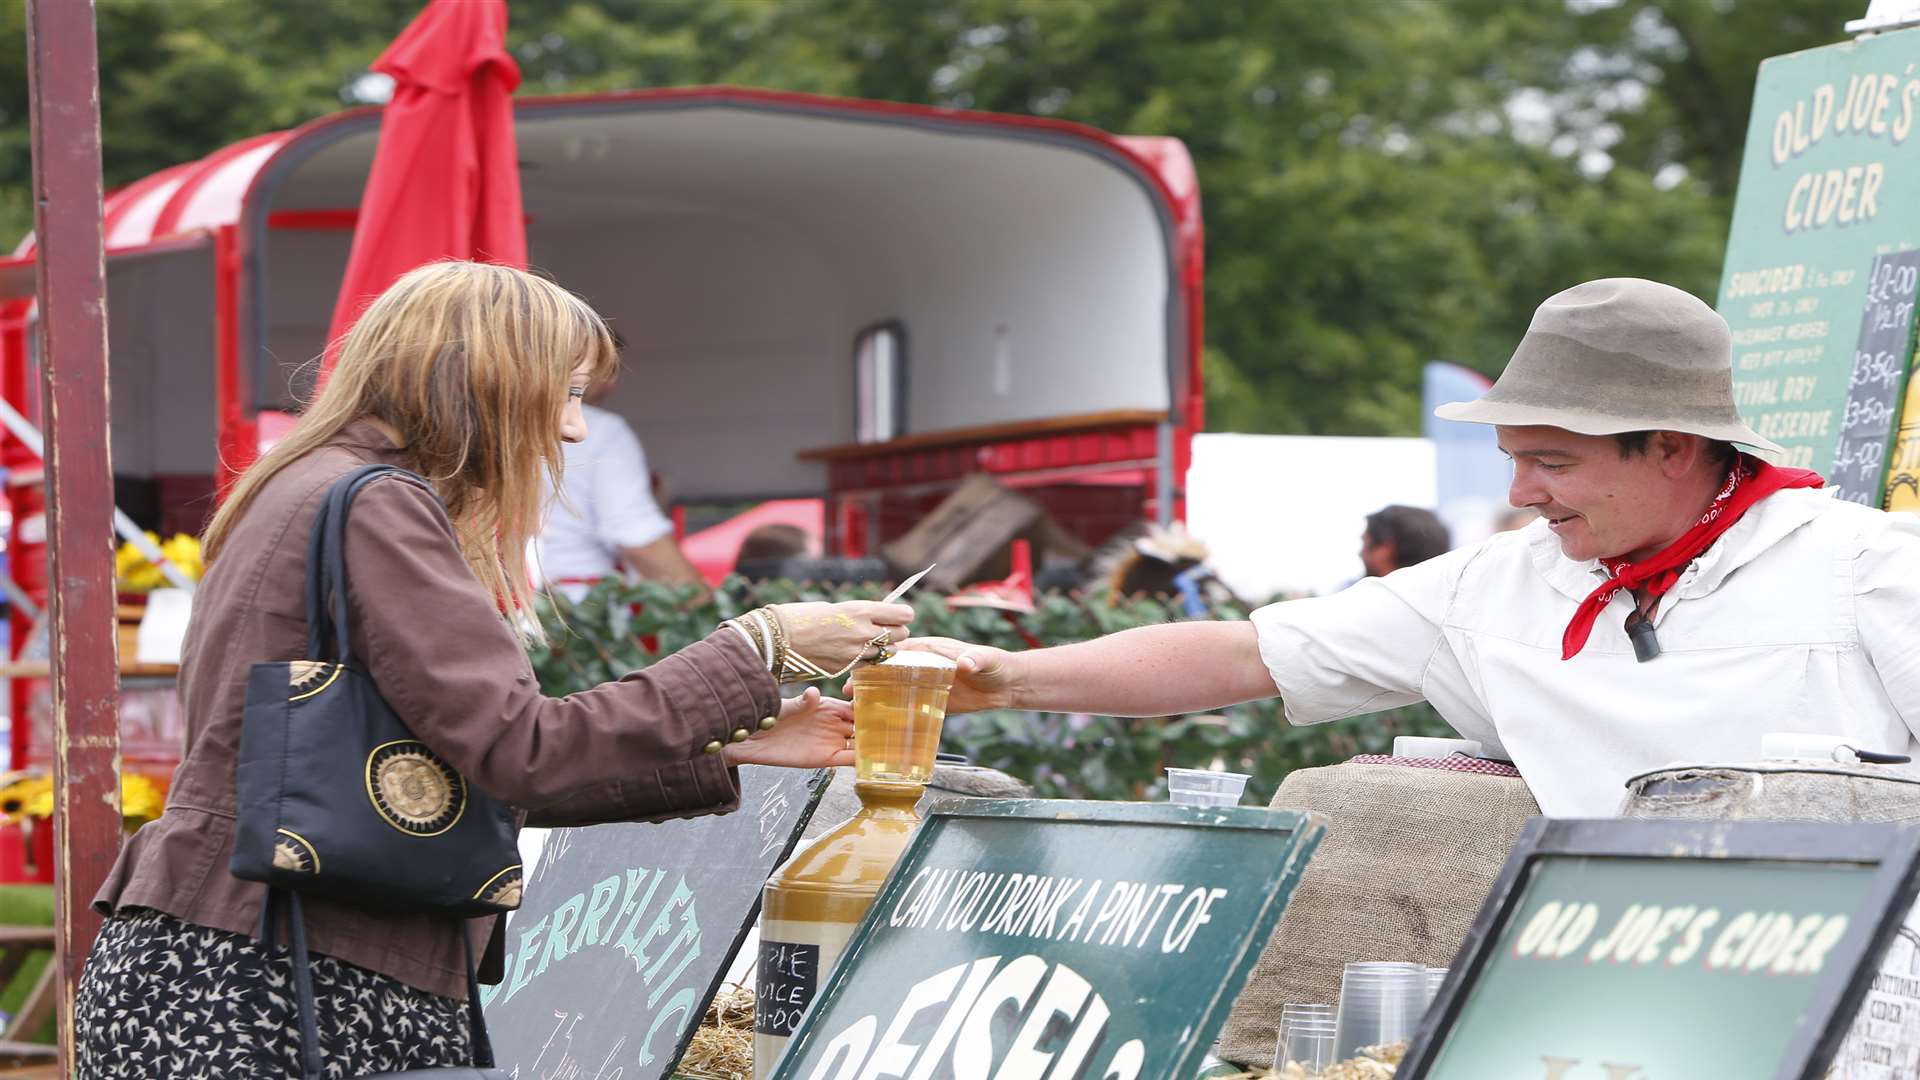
(162, 997)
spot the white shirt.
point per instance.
(1804, 616)
(609, 503)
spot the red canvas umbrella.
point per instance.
(445, 180)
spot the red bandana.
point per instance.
(1748, 482)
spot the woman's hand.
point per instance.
(835, 635)
(984, 677)
(812, 733)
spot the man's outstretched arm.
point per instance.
(1148, 671)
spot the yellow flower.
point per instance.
(135, 574)
(183, 551)
(141, 799)
(26, 795)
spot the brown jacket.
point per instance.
(643, 749)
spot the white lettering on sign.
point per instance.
(1570, 1069)
(1120, 914)
(945, 1024)
(1752, 942)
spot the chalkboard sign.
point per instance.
(1832, 157)
(1903, 475)
(627, 931)
(1879, 370)
(1070, 939)
(1641, 950)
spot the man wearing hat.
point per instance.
(1676, 599)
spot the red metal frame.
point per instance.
(342, 220)
(238, 435)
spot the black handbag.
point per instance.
(336, 796)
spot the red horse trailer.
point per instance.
(855, 300)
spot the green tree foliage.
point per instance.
(1385, 183)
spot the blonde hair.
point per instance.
(470, 363)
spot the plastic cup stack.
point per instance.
(1380, 1004)
(1306, 1037)
(1435, 976)
(1203, 787)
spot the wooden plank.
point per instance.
(63, 88)
(1020, 429)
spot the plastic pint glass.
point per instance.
(898, 707)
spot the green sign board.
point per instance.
(1670, 950)
(1029, 938)
(1828, 184)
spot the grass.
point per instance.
(27, 905)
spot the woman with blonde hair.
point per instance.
(470, 376)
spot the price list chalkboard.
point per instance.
(1873, 386)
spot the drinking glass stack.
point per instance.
(1380, 1004)
(1306, 1037)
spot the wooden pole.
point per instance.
(64, 103)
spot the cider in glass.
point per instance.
(898, 709)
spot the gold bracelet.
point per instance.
(755, 640)
(780, 646)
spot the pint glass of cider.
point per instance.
(898, 707)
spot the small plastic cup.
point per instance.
(1306, 1036)
(1204, 787)
(1380, 1004)
(1308, 1043)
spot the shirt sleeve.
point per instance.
(624, 513)
(643, 748)
(1360, 650)
(1886, 590)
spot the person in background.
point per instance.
(607, 522)
(770, 544)
(1399, 536)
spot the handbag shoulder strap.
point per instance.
(327, 625)
(282, 908)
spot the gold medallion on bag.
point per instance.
(413, 789)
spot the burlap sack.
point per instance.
(1409, 855)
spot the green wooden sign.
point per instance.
(1828, 183)
(1028, 938)
(1660, 950)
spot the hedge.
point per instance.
(616, 628)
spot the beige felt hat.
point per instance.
(1616, 355)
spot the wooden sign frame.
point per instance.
(1841, 986)
(1283, 876)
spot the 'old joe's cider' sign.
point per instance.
(1026, 939)
(1670, 950)
(1827, 187)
